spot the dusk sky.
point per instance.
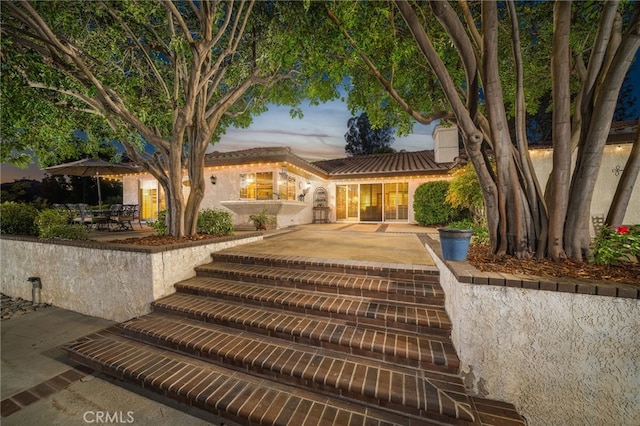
(318, 135)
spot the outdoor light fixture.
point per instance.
(283, 173)
(213, 179)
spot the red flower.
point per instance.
(622, 229)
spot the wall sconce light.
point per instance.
(283, 174)
(214, 179)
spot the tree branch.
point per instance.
(377, 74)
(477, 38)
(175, 13)
(599, 51)
(452, 25)
(148, 59)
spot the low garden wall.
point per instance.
(112, 281)
(565, 352)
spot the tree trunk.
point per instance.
(198, 182)
(525, 167)
(560, 178)
(626, 184)
(515, 231)
(602, 106)
(175, 198)
(471, 135)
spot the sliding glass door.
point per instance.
(396, 201)
(347, 202)
(373, 202)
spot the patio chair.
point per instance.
(121, 216)
(136, 214)
(80, 214)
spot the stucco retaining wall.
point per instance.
(561, 358)
(115, 282)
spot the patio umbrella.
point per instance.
(92, 167)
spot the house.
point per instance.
(375, 188)
(371, 188)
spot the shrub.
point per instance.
(53, 223)
(262, 219)
(430, 205)
(17, 218)
(465, 192)
(215, 222)
(611, 246)
(160, 225)
(480, 233)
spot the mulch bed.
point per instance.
(155, 240)
(481, 258)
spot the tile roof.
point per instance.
(621, 132)
(629, 125)
(379, 165)
(261, 155)
(373, 165)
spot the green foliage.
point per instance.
(363, 139)
(611, 246)
(126, 73)
(465, 192)
(18, 219)
(480, 233)
(160, 225)
(215, 222)
(262, 219)
(54, 223)
(430, 206)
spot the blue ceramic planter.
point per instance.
(455, 243)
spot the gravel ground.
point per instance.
(15, 306)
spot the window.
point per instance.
(256, 186)
(287, 188)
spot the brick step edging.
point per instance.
(223, 392)
(381, 313)
(359, 379)
(425, 273)
(434, 352)
(332, 283)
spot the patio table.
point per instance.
(101, 219)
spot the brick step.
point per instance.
(384, 288)
(239, 397)
(358, 310)
(376, 383)
(421, 273)
(435, 353)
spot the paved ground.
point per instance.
(37, 376)
(372, 243)
(39, 386)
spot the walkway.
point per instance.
(380, 243)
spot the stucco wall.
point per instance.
(613, 162)
(227, 188)
(114, 284)
(561, 358)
